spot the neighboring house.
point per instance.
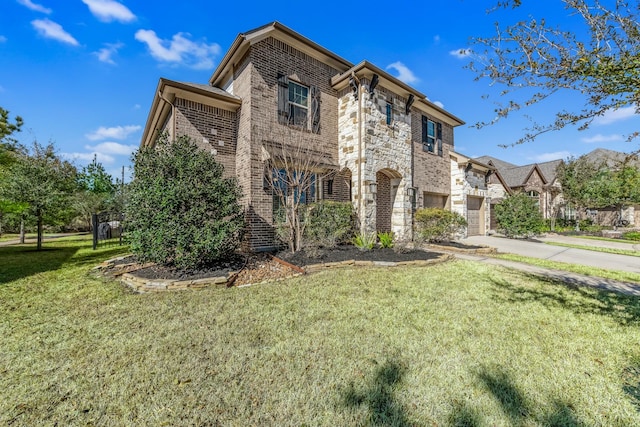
(470, 194)
(539, 181)
(383, 145)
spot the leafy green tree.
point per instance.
(577, 177)
(181, 212)
(599, 61)
(96, 190)
(519, 215)
(608, 183)
(9, 150)
(42, 181)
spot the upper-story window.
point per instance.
(298, 104)
(389, 114)
(428, 135)
(431, 136)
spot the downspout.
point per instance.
(173, 115)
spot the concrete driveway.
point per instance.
(537, 248)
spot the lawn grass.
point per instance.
(629, 252)
(607, 239)
(460, 343)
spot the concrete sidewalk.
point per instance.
(538, 249)
(559, 238)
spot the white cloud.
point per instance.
(547, 157)
(179, 49)
(35, 7)
(109, 10)
(3, 39)
(106, 53)
(599, 138)
(404, 73)
(436, 39)
(439, 104)
(612, 116)
(53, 30)
(137, 107)
(116, 132)
(88, 157)
(460, 53)
(112, 148)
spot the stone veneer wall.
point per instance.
(385, 148)
(212, 129)
(468, 183)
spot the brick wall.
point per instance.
(431, 173)
(256, 84)
(212, 129)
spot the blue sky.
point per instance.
(82, 73)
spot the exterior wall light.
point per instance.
(373, 187)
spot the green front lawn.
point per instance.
(460, 343)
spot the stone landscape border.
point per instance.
(126, 273)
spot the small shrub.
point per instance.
(437, 225)
(386, 239)
(328, 223)
(519, 216)
(364, 241)
(632, 235)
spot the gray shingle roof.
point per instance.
(499, 164)
(515, 176)
(211, 89)
(548, 169)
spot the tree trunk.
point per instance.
(39, 244)
(22, 231)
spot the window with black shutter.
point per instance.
(315, 109)
(283, 99)
(428, 135)
(439, 138)
(298, 105)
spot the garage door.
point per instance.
(435, 200)
(473, 216)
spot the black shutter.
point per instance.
(315, 109)
(424, 133)
(283, 99)
(439, 137)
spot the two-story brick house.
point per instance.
(386, 146)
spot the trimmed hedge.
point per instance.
(437, 225)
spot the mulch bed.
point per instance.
(348, 252)
(259, 267)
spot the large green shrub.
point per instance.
(437, 225)
(519, 216)
(181, 211)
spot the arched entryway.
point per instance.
(388, 182)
